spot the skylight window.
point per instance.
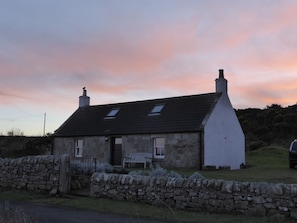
(157, 109)
(112, 113)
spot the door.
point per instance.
(116, 151)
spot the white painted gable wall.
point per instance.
(224, 142)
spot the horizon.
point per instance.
(18, 132)
(132, 50)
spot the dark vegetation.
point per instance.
(273, 125)
(18, 146)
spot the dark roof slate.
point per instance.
(180, 114)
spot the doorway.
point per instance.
(116, 151)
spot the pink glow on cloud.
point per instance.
(142, 52)
(283, 92)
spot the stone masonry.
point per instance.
(214, 196)
(36, 173)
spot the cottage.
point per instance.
(194, 131)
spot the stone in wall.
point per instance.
(34, 173)
(214, 196)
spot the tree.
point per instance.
(15, 132)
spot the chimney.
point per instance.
(84, 100)
(221, 83)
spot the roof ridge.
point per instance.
(156, 99)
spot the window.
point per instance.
(112, 113)
(159, 147)
(157, 109)
(78, 149)
(118, 141)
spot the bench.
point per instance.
(143, 158)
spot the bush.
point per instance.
(196, 176)
(174, 174)
(139, 173)
(158, 172)
(104, 168)
(85, 166)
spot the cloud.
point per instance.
(262, 93)
(149, 49)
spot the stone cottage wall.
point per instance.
(36, 173)
(182, 150)
(93, 146)
(214, 196)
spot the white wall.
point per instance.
(224, 142)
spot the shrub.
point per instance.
(139, 173)
(158, 172)
(196, 176)
(104, 168)
(82, 166)
(174, 174)
(135, 173)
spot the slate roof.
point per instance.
(180, 114)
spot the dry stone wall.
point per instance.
(36, 173)
(214, 196)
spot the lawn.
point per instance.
(268, 164)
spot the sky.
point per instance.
(129, 50)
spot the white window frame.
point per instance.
(78, 148)
(159, 147)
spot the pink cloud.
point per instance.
(124, 63)
(114, 55)
(282, 91)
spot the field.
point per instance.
(269, 164)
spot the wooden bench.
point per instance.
(143, 158)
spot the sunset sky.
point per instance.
(128, 50)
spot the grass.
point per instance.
(13, 215)
(130, 208)
(269, 164)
